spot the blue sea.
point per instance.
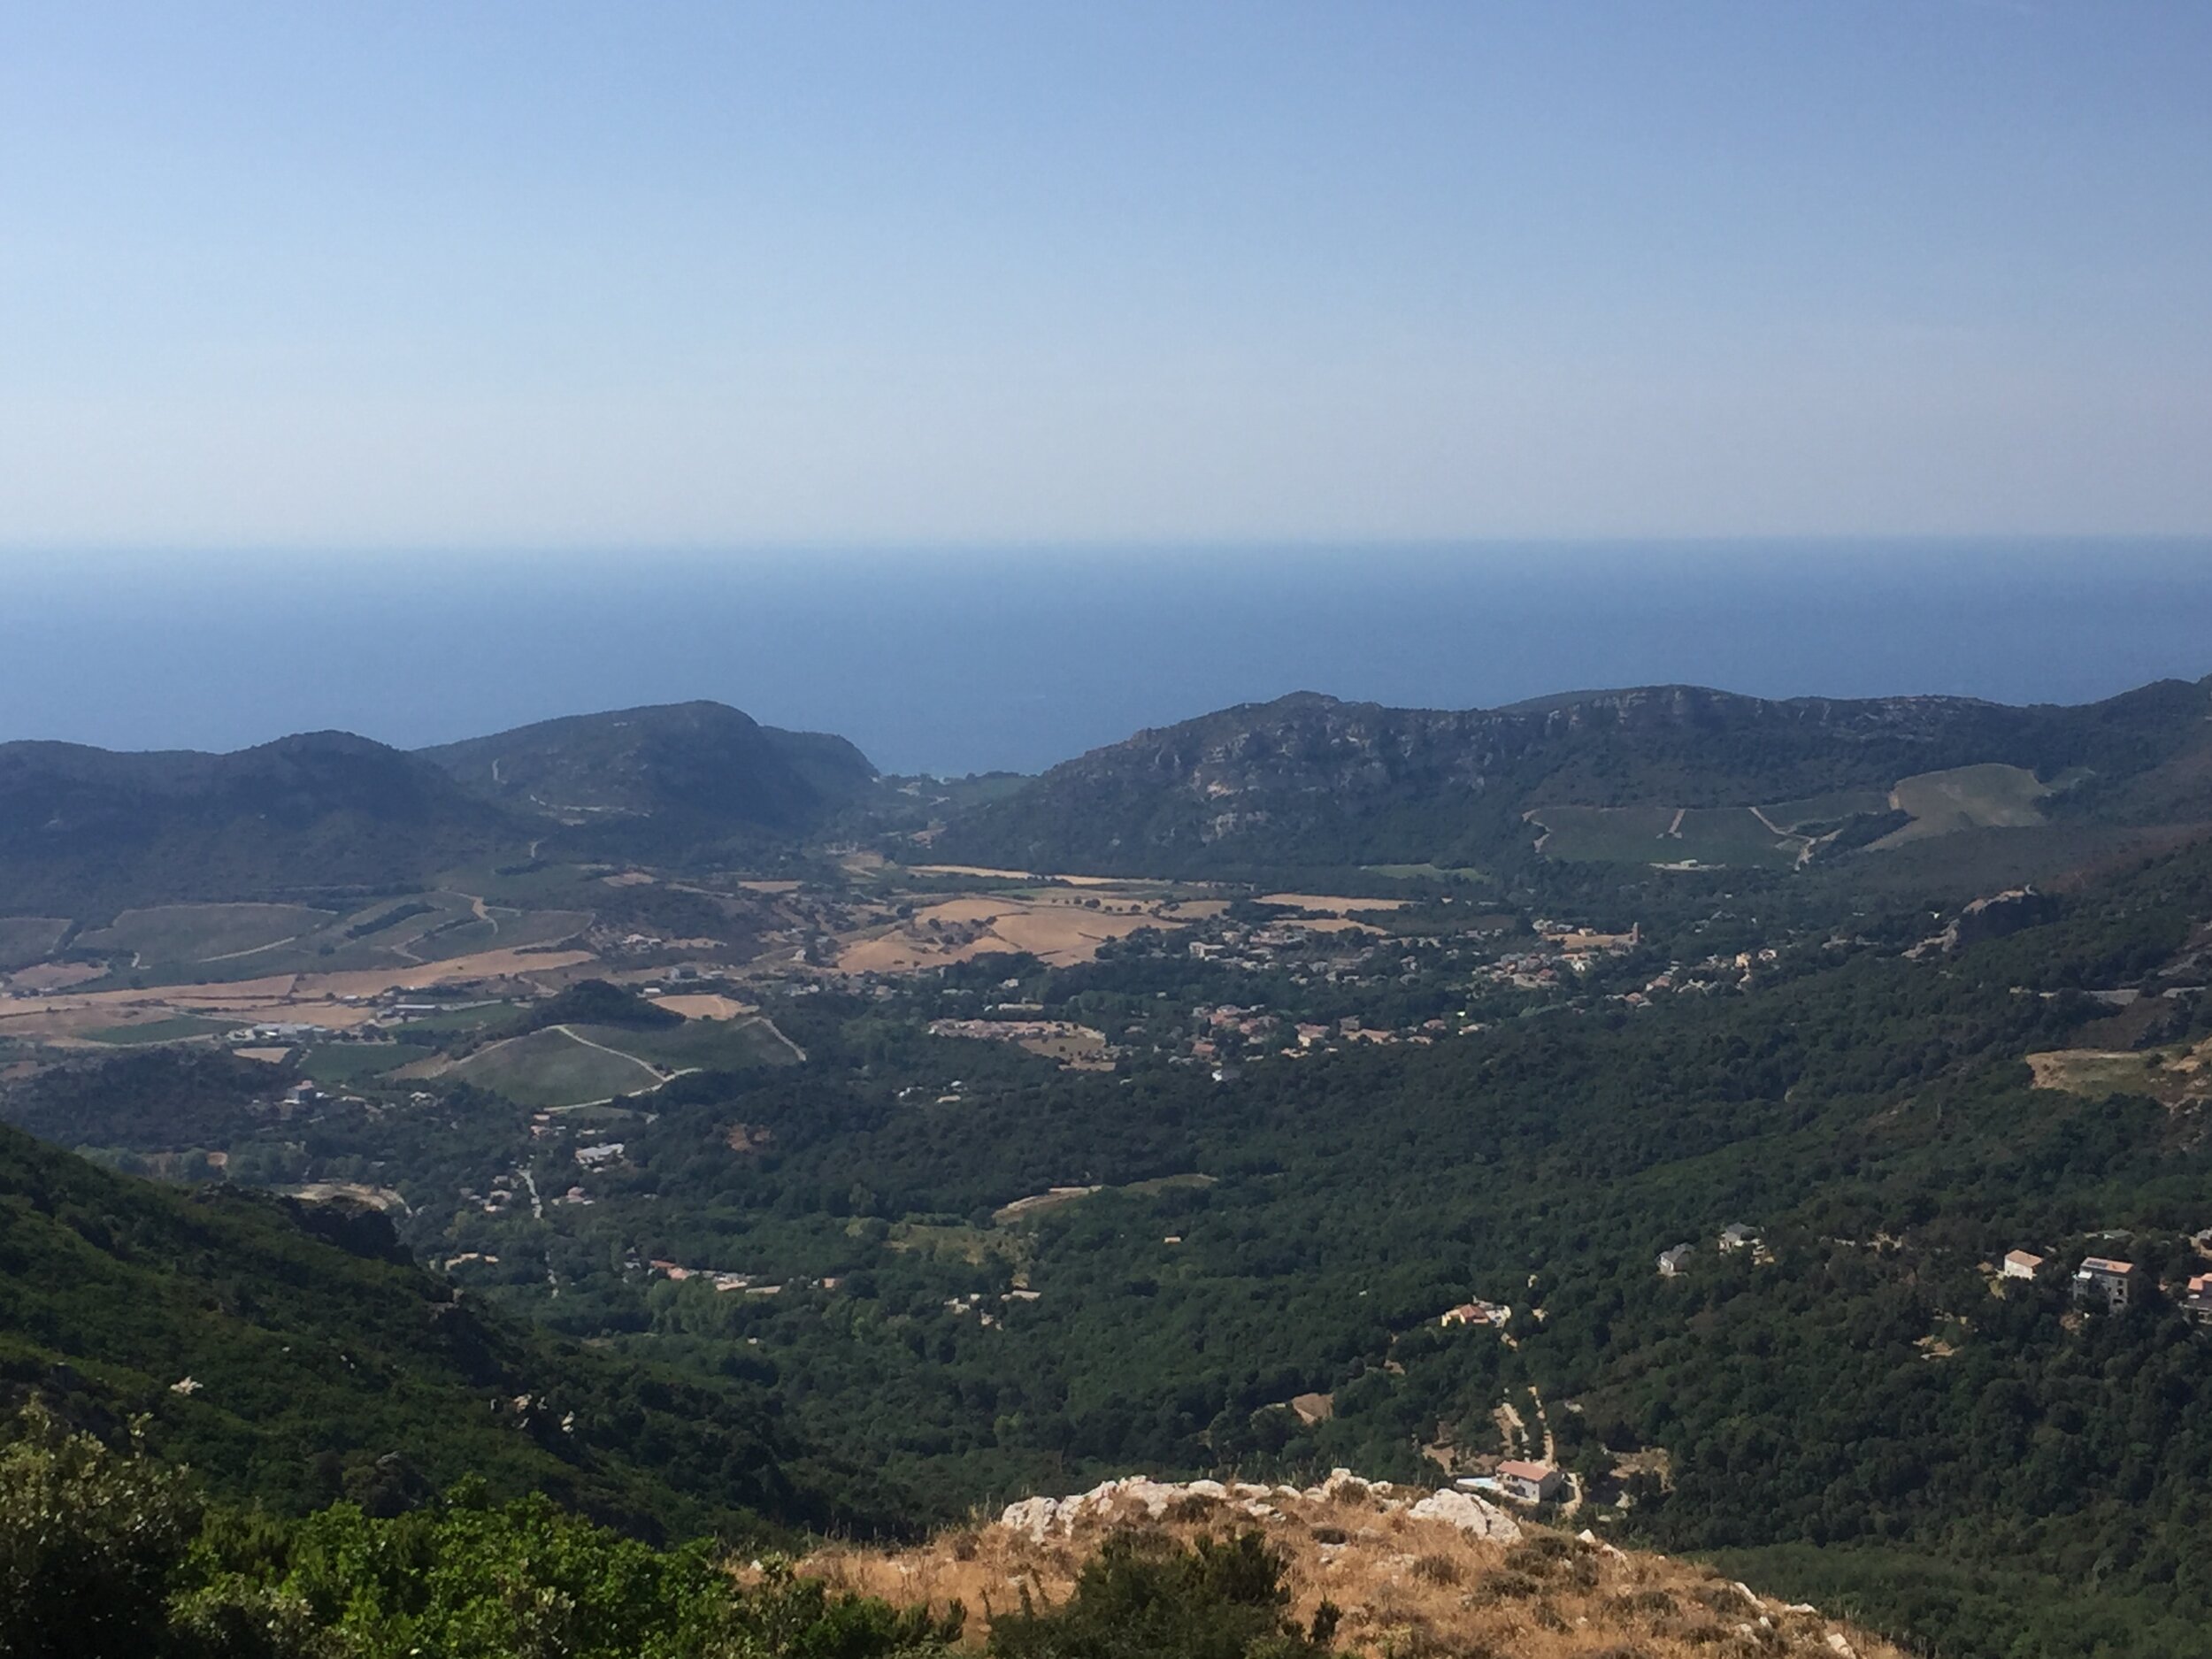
(950, 662)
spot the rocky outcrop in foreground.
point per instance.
(1409, 1572)
(1136, 1497)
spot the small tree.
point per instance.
(90, 1540)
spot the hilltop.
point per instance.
(90, 828)
(87, 832)
(1659, 775)
(663, 777)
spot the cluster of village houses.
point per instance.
(2099, 1281)
(2103, 1280)
(1732, 1238)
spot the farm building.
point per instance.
(1531, 1483)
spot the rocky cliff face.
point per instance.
(1309, 779)
(1998, 915)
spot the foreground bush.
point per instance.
(1144, 1596)
(108, 1554)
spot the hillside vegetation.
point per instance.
(84, 830)
(801, 1153)
(1310, 781)
(661, 780)
(296, 1354)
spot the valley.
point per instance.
(991, 1164)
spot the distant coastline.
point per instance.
(952, 662)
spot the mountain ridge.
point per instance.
(1309, 779)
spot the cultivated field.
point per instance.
(1661, 836)
(201, 943)
(175, 934)
(578, 1066)
(981, 873)
(553, 1067)
(698, 1045)
(1733, 836)
(1605, 834)
(68, 1014)
(346, 1064)
(1058, 927)
(1967, 797)
(1824, 809)
(177, 1028)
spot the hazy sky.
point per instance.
(519, 274)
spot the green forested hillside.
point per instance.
(296, 1354)
(1310, 781)
(662, 780)
(1966, 1462)
(920, 1246)
(85, 831)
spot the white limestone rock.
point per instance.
(1470, 1514)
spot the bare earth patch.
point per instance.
(2175, 1077)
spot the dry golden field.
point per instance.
(1059, 928)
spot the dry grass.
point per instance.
(1405, 1586)
(1058, 928)
(311, 998)
(2174, 1076)
(706, 1005)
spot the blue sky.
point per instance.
(509, 275)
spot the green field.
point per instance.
(171, 935)
(1988, 797)
(177, 1029)
(458, 1019)
(337, 1063)
(1733, 836)
(1661, 835)
(28, 939)
(552, 1068)
(1825, 808)
(1606, 834)
(702, 1045)
(186, 943)
(1428, 872)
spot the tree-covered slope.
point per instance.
(83, 830)
(1309, 780)
(663, 776)
(1968, 1460)
(296, 1354)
